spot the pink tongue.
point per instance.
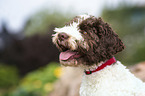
(66, 55)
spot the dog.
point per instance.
(89, 43)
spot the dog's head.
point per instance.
(86, 40)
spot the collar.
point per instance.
(109, 62)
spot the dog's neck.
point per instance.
(92, 69)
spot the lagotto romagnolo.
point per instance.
(89, 43)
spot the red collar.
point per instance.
(109, 62)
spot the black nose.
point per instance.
(62, 36)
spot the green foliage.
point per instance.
(39, 82)
(8, 76)
(20, 92)
(128, 22)
(135, 50)
(44, 21)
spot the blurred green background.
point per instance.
(28, 59)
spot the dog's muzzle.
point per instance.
(63, 44)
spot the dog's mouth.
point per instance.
(68, 55)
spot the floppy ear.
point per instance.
(103, 42)
(108, 38)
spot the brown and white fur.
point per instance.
(87, 42)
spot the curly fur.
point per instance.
(103, 42)
(96, 42)
(114, 80)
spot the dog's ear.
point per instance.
(108, 38)
(103, 42)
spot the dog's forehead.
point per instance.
(72, 28)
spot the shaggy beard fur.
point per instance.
(98, 43)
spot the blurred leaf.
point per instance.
(39, 82)
(8, 76)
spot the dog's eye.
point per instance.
(85, 33)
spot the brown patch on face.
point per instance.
(103, 42)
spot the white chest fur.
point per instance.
(114, 80)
